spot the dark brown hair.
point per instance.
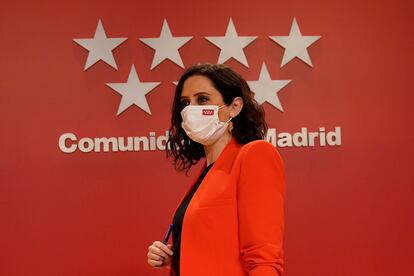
(248, 125)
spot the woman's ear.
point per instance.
(236, 106)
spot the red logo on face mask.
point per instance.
(208, 112)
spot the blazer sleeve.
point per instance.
(260, 195)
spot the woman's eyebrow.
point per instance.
(201, 93)
(196, 94)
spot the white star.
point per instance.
(133, 92)
(232, 45)
(265, 89)
(166, 46)
(100, 47)
(295, 44)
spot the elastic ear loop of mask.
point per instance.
(230, 116)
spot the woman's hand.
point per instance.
(159, 255)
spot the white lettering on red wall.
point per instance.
(70, 142)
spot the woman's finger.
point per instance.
(155, 257)
(163, 247)
(154, 263)
(157, 251)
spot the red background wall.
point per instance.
(348, 208)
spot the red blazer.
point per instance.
(234, 223)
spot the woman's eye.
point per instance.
(202, 100)
(184, 103)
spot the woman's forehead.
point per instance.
(197, 84)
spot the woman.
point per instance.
(231, 221)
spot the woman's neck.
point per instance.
(214, 150)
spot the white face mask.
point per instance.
(202, 124)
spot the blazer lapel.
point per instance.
(224, 162)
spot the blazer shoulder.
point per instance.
(259, 148)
